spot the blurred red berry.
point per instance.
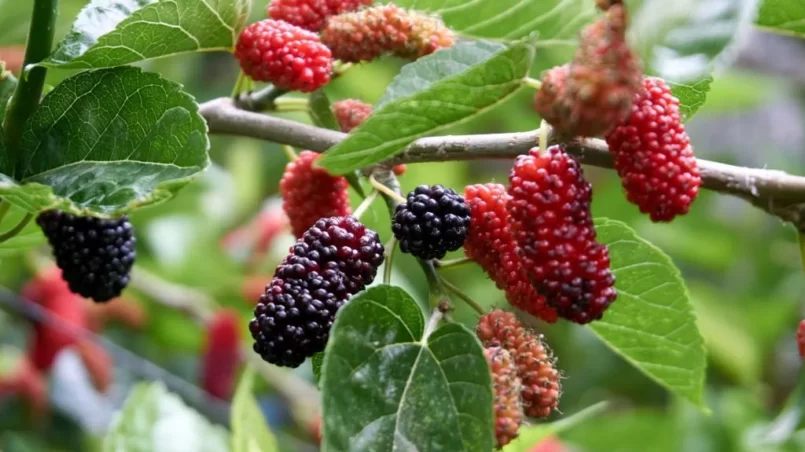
(311, 14)
(221, 355)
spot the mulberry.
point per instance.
(541, 386)
(310, 193)
(551, 221)
(433, 221)
(365, 35)
(311, 14)
(507, 386)
(491, 244)
(653, 155)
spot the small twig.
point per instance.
(385, 190)
(260, 100)
(16, 230)
(365, 204)
(464, 297)
(198, 305)
(391, 247)
(453, 262)
(532, 83)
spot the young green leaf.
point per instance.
(782, 16)
(434, 92)
(108, 141)
(249, 430)
(652, 323)
(154, 420)
(387, 384)
(321, 111)
(691, 95)
(111, 33)
(683, 40)
(556, 21)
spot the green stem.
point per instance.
(290, 104)
(238, 85)
(4, 207)
(543, 136)
(436, 293)
(390, 248)
(32, 80)
(532, 82)
(260, 100)
(453, 262)
(289, 152)
(464, 297)
(365, 204)
(16, 230)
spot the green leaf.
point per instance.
(321, 112)
(317, 362)
(530, 436)
(154, 420)
(250, 433)
(414, 390)
(682, 40)
(109, 141)
(691, 96)
(652, 323)
(434, 92)
(110, 33)
(782, 16)
(29, 237)
(556, 21)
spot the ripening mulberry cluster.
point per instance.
(536, 366)
(336, 258)
(366, 34)
(94, 254)
(506, 385)
(551, 222)
(594, 93)
(433, 221)
(288, 56)
(491, 244)
(653, 155)
(311, 14)
(310, 193)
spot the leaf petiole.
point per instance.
(16, 229)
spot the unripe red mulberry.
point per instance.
(350, 113)
(221, 355)
(49, 338)
(310, 193)
(551, 221)
(288, 56)
(535, 364)
(311, 14)
(801, 339)
(506, 385)
(602, 80)
(365, 35)
(653, 155)
(491, 244)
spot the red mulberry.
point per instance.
(491, 244)
(311, 14)
(551, 221)
(350, 113)
(506, 385)
(365, 35)
(310, 193)
(288, 56)
(653, 155)
(535, 363)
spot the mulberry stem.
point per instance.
(390, 248)
(464, 297)
(16, 229)
(385, 190)
(365, 204)
(453, 262)
(532, 83)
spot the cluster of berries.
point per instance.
(525, 379)
(295, 47)
(602, 92)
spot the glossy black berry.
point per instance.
(333, 260)
(94, 254)
(433, 221)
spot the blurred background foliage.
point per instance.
(741, 266)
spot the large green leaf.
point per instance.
(783, 16)
(430, 94)
(683, 40)
(554, 20)
(154, 420)
(249, 430)
(391, 383)
(652, 323)
(108, 141)
(116, 32)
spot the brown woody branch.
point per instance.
(776, 192)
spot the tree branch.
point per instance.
(776, 192)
